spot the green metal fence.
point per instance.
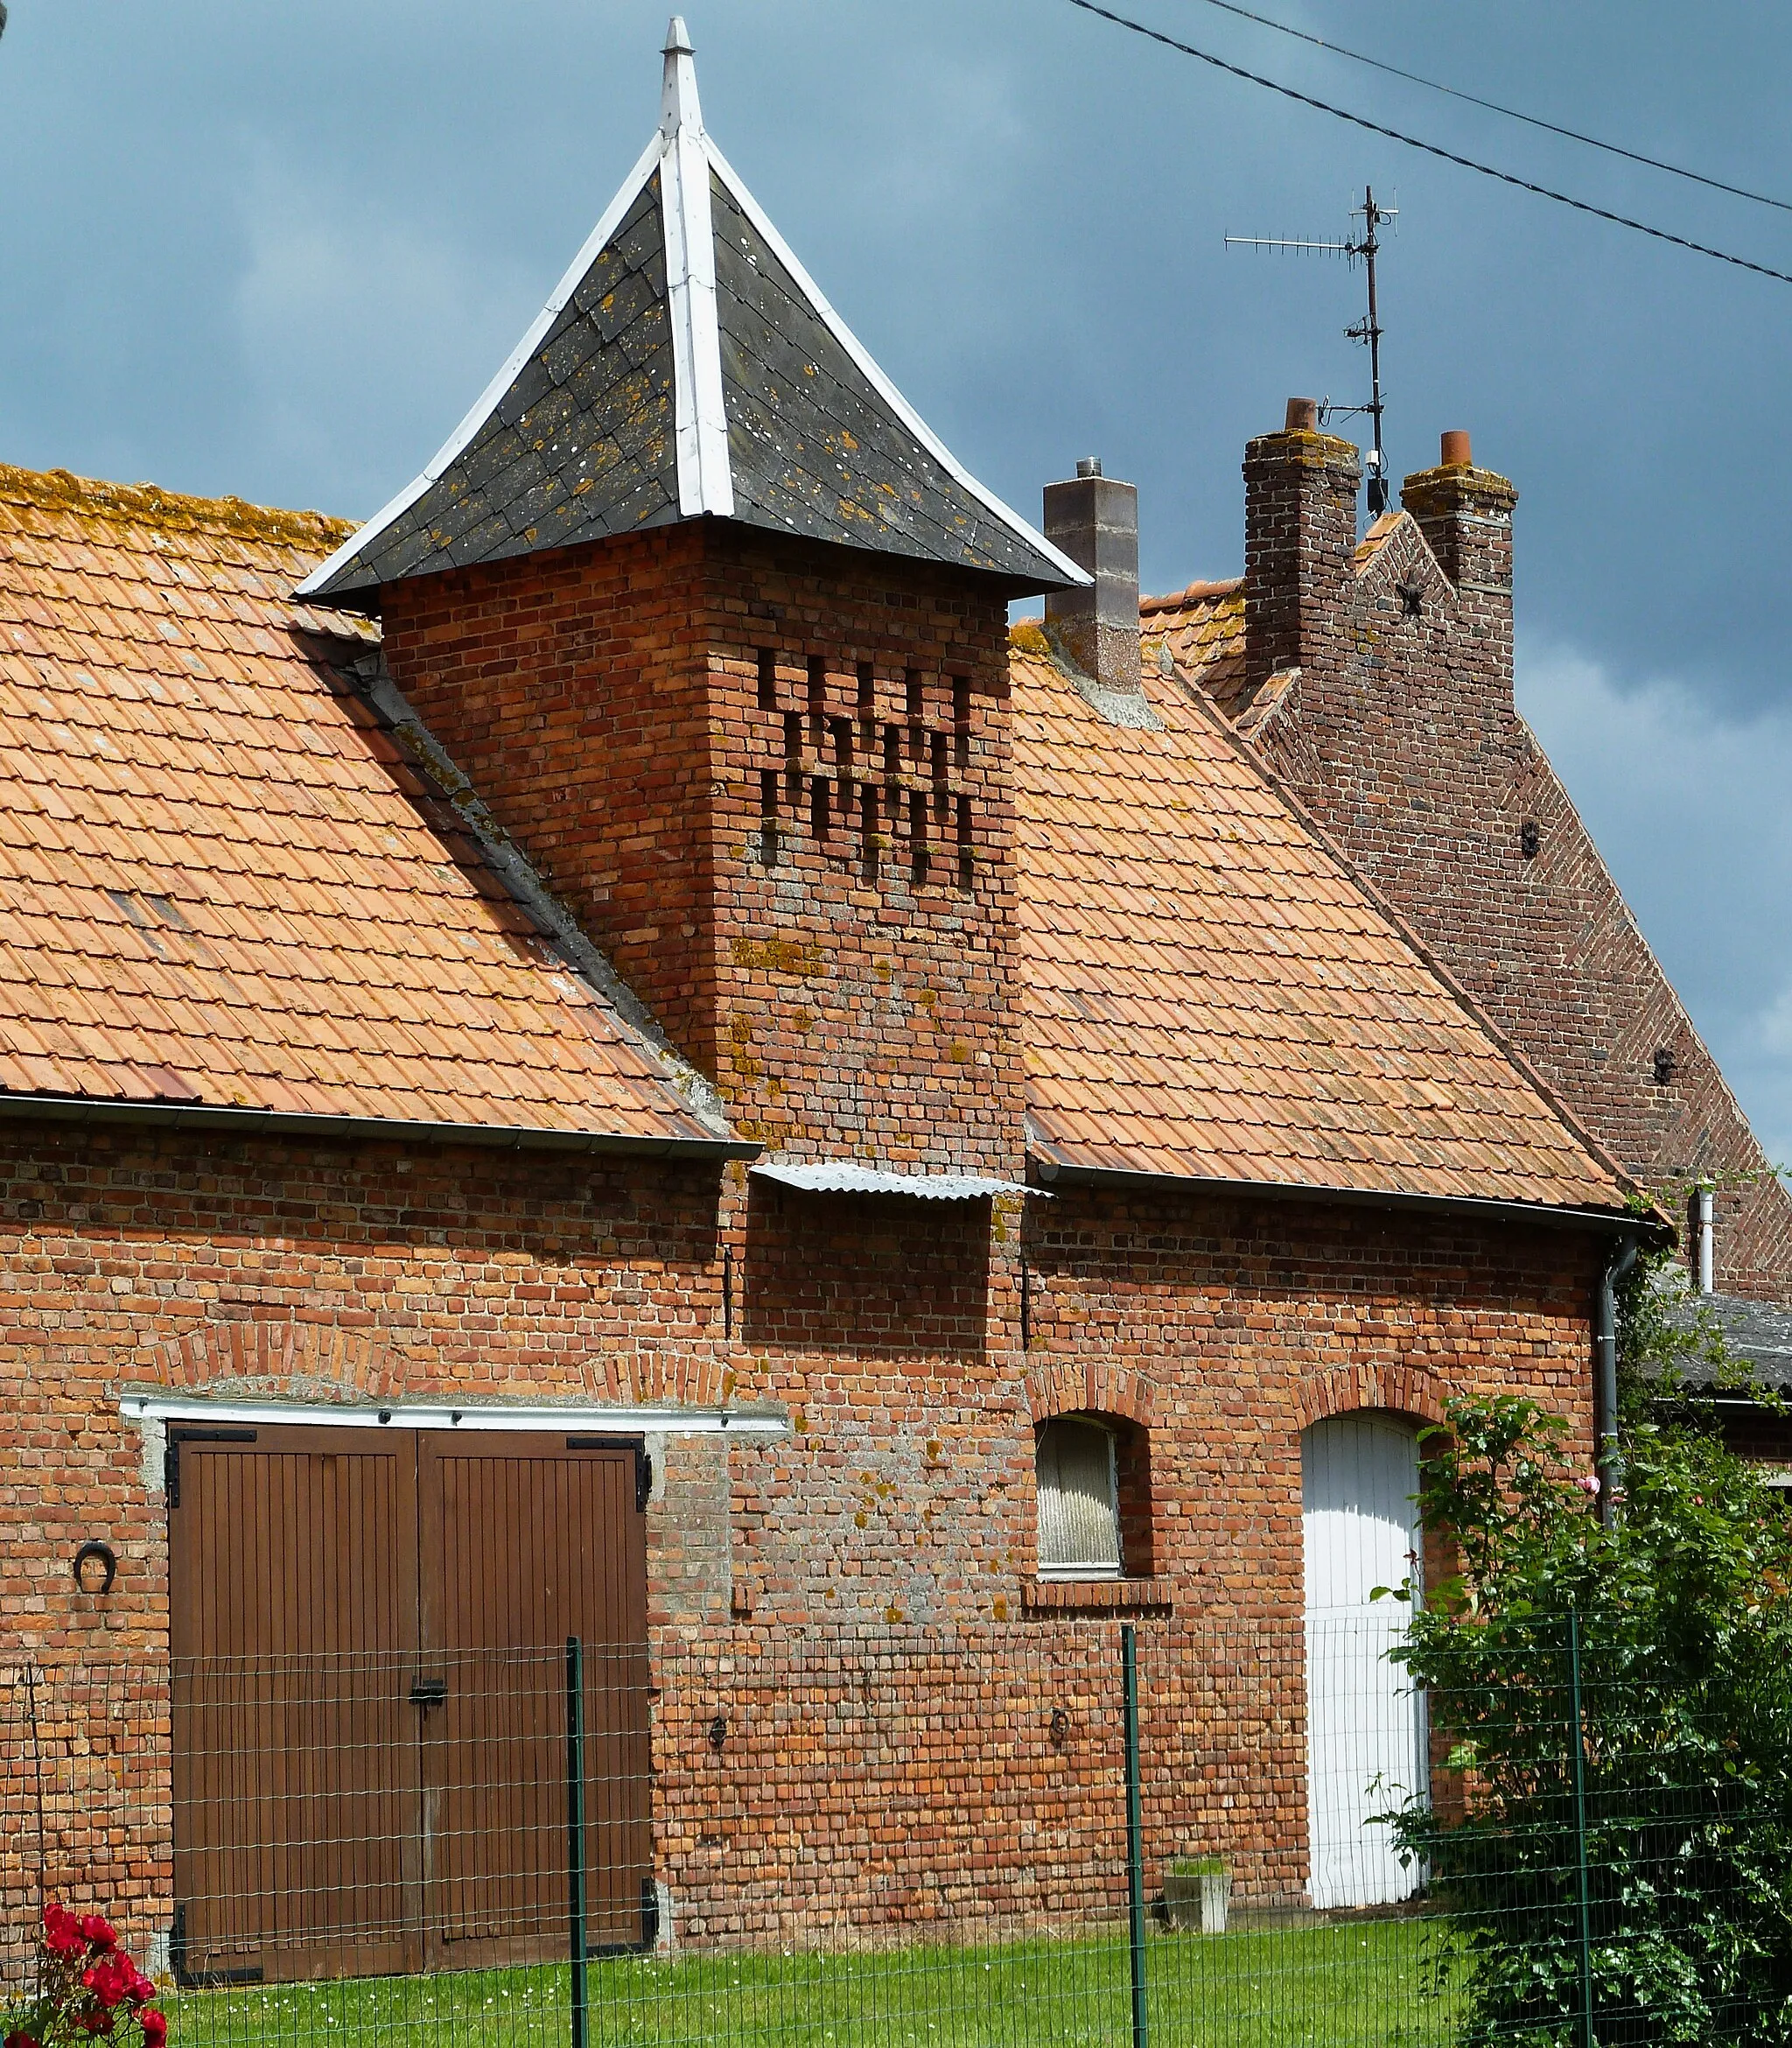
(1248, 1831)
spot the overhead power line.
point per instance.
(1413, 142)
(1593, 142)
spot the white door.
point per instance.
(1366, 1731)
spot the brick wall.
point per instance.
(772, 779)
(370, 1273)
(896, 1516)
(1402, 738)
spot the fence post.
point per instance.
(1586, 2033)
(31, 1696)
(575, 1831)
(1135, 1835)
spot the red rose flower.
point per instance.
(97, 2021)
(112, 1979)
(98, 1930)
(23, 2040)
(142, 1990)
(62, 1934)
(155, 2026)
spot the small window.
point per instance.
(1079, 1500)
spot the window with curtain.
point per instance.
(1079, 1500)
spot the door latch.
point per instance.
(429, 1691)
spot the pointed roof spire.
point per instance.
(678, 101)
(687, 367)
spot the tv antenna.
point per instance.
(1364, 247)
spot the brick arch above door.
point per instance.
(1099, 1389)
(296, 1360)
(1405, 1390)
(314, 1362)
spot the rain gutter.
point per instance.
(189, 1116)
(1610, 1455)
(1127, 1180)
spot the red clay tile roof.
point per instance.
(222, 882)
(1203, 626)
(1371, 544)
(1208, 991)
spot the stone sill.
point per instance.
(1095, 1595)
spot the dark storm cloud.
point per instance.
(278, 250)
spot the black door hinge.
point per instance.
(170, 1456)
(643, 1464)
(649, 1913)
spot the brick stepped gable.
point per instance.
(1375, 679)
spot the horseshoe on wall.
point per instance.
(104, 1555)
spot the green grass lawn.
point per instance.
(1361, 1986)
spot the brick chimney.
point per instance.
(1466, 514)
(1299, 541)
(1095, 520)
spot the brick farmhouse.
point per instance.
(611, 1052)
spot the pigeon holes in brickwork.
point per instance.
(867, 767)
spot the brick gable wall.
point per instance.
(1402, 737)
(772, 781)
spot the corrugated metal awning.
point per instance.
(845, 1176)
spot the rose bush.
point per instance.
(89, 1989)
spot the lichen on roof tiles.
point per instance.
(1202, 627)
(227, 885)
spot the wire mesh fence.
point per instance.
(979, 1835)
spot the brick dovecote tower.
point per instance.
(717, 629)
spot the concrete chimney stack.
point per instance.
(1095, 519)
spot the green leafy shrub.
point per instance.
(1670, 1846)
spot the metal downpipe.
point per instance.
(1608, 1456)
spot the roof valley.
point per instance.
(513, 868)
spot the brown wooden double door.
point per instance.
(368, 1630)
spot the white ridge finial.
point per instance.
(678, 101)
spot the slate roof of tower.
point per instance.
(1209, 992)
(222, 884)
(688, 366)
(1203, 628)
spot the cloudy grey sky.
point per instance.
(277, 249)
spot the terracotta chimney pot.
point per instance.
(1456, 454)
